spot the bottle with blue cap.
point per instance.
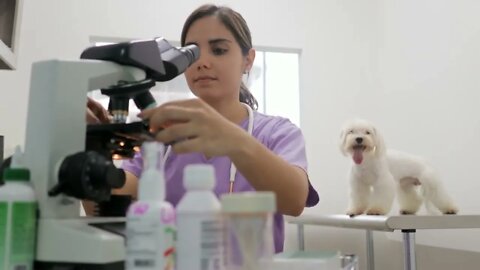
(199, 223)
(17, 216)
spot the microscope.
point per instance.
(71, 161)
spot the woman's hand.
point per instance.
(194, 126)
(96, 114)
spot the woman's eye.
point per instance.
(218, 51)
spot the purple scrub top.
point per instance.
(277, 133)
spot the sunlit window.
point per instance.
(274, 81)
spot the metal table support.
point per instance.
(408, 225)
(370, 248)
(410, 262)
(301, 237)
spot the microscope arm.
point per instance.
(56, 125)
(109, 73)
(56, 130)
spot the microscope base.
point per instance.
(76, 266)
(79, 244)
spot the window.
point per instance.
(273, 81)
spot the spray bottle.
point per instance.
(17, 216)
(151, 220)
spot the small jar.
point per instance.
(248, 218)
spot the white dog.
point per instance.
(376, 175)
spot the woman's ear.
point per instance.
(249, 58)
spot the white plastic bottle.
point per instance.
(199, 224)
(17, 217)
(151, 220)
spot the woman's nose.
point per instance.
(203, 61)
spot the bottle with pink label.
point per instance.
(151, 220)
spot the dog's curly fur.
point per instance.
(377, 175)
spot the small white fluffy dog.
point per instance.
(376, 174)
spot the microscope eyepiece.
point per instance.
(192, 52)
(175, 60)
(161, 61)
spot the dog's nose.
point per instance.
(359, 140)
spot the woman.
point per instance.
(214, 128)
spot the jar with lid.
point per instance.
(248, 220)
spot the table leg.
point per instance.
(410, 262)
(370, 256)
(301, 237)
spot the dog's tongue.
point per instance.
(358, 156)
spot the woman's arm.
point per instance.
(209, 132)
(130, 187)
(266, 171)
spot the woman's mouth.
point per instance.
(203, 79)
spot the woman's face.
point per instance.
(217, 74)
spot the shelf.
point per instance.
(7, 59)
(10, 16)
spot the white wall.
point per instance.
(409, 66)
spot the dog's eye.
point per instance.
(368, 132)
(350, 131)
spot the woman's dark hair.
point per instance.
(239, 29)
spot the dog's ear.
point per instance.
(380, 148)
(343, 138)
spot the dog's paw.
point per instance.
(452, 211)
(376, 212)
(449, 209)
(407, 212)
(354, 212)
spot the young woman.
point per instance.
(249, 150)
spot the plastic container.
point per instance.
(17, 217)
(305, 260)
(151, 220)
(199, 223)
(248, 218)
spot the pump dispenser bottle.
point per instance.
(151, 220)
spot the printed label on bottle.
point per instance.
(144, 263)
(150, 240)
(211, 245)
(168, 218)
(22, 245)
(3, 233)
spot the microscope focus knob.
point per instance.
(88, 175)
